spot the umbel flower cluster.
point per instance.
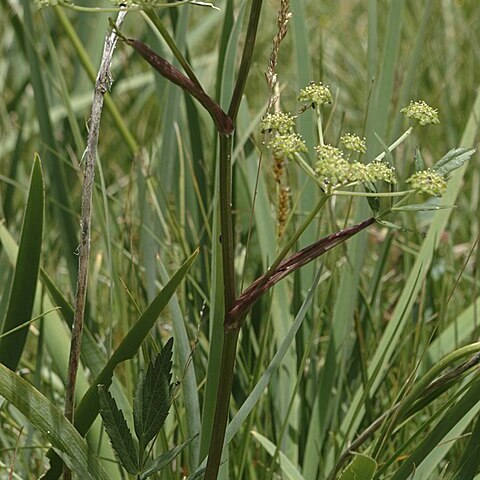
(333, 168)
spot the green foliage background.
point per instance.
(155, 200)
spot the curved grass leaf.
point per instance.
(118, 431)
(470, 461)
(163, 460)
(46, 418)
(88, 408)
(24, 285)
(361, 468)
(432, 440)
(153, 396)
(288, 468)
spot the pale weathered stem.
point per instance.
(102, 85)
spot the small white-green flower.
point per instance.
(331, 167)
(328, 152)
(286, 145)
(422, 112)
(279, 121)
(353, 142)
(317, 93)
(428, 181)
(378, 170)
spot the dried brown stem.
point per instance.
(102, 85)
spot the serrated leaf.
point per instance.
(153, 396)
(24, 286)
(118, 431)
(361, 468)
(419, 161)
(454, 159)
(165, 459)
(422, 207)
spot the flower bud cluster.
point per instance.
(422, 112)
(333, 169)
(284, 141)
(317, 93)
(353, 142)
(429, 182)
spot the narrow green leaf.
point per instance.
(422, 207)
(391, 225)
(454, 159)
(361, 468)
(288, 468)
(431, 441)
(55, 169)
(153, 396)
(451, 155)
(197, 475)
(118, 431)
(88, 408)
(48, 419)
(419, 161)
(189, 383)
(388, 153)
(163, 460)
(470, 461)
(24, 285)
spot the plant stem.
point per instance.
(102, 85)
(395, 144)
(223, 401)
(226, 224)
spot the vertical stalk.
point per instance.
(230, 335)
(223, 401)
(226, 224)
(102, 85)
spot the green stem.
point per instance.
(319, 125)
(372, 194)
(230, 338)
(226, 224)
(223, 401)
(394, 145)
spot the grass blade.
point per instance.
(24, 285)
(46, 417)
